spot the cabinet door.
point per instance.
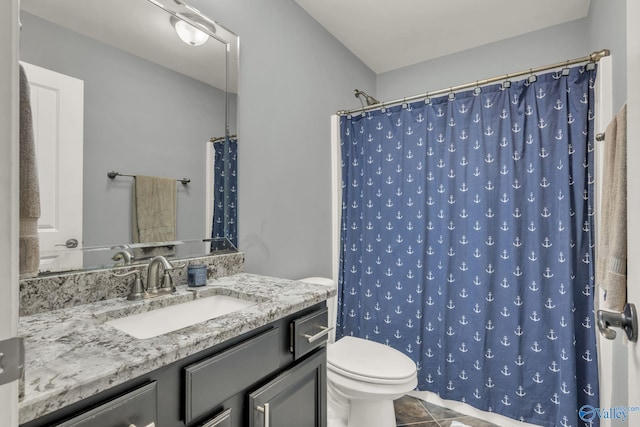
(296, 398)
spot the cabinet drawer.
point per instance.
(137, 408)
(211, 381)
(309, 332)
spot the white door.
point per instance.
(633, 199)
(57, 103)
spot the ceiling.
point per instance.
(143, 29)
(392, 34)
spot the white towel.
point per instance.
(611, 266)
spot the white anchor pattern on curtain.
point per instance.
(225, 195)
(467, 243)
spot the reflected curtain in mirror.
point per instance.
(225, 182)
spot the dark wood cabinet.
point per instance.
(223, 385)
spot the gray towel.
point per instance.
(611, 266)
(29, 245)
(154, 214)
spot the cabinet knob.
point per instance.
(265, 410)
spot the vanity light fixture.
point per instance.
(189, 33)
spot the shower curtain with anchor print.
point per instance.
(467, 243)
(225, 195)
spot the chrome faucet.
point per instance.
(156, 284)
(122, 257)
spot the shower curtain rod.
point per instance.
(217, 139)
(593, 58)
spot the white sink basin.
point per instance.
(167, 319)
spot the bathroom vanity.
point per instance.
(261, 365)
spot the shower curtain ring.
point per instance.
(506, 83)
(477, 90)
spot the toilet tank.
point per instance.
(331, 302)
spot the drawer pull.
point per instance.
(265, 410)
(313, 338)
(148, 425)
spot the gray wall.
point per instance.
(131, 126)
(604, 27)
(551, 45)
(607, 25)
(293, 76)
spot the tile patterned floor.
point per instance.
(414, 412)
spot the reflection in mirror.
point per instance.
(115, 79)
(225, 183)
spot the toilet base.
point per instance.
(372, 413)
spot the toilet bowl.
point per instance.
(363, 379)
(366, 377)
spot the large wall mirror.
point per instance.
(125, 86)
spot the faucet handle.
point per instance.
(137, 289)
(167, 280)
(177, 266)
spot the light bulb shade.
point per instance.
(189, 34)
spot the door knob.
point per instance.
(71, 243)
(627, 321)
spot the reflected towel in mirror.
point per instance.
(154, 214)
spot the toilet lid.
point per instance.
(369, 361)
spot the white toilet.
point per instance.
(363, 377)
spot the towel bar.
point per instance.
(113, 174)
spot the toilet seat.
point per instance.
(352, 358)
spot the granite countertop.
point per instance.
(71, 354)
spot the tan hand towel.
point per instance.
(154, 213)
(29, 244)
(611, 266)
